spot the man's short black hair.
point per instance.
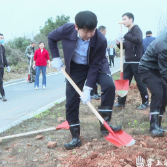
(148, 33)
(102, 28)
(41, 42)
(1, 34)
(86, 20)
(129, 15)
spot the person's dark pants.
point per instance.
(1, 81)
(157, 87)
(78, 73)
(130, 70)
(94, 91)
(107, 89)
(111, 58)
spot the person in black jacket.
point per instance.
(3, 63)
(147, 40)
(153, 72)
(133, 52)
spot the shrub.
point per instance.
(14, 56)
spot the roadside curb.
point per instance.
(24, 79)
(32, 114)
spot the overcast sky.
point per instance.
(19, 17)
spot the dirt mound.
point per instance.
(103, 154)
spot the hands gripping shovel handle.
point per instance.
(118, 139)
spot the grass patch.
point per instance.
(116, 76)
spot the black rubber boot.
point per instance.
(160, 120)
(106, 113)
(145, 102)
(75, 142)
(154, 125)
(121, 102)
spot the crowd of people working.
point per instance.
(85, 57)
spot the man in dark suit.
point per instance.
(3, 63)
(84, 50)
(111, 53)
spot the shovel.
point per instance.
(122, 85)
(63, 125)
(119, 138)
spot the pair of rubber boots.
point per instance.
(106, 113)
(144, 105)
(155, 124)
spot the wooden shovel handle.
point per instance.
(27, 133)
(81, 94)
(121, 49)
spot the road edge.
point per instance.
(42, 109)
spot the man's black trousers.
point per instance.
(111, 58)
(1, 81)
(130, 70)
(157, 87)
(78, 73)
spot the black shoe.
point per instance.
(95, 97)
(75, 142)
(4, 98)
(119, 105)
(143, 106)
(98, 95)
(106, 113)
(160, 120)
(154, 125)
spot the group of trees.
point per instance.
(15, 48)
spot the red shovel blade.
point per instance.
(28, 77)
(122, 86)
(63, 125)
(125, 138)
(120, 138)
(113, 140)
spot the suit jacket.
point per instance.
(5, 63)
(109, 51)
(68, 35)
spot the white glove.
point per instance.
(86, 94)
(8, 69)
(57, 63)
(120, 36)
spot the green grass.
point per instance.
(116, 76)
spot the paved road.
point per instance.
(24, 101)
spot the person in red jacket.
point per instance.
(41, 56)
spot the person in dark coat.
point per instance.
(111, 53)
(133, 52)
(84, 49)
(153, 72)
(147, 40)
(3, 63)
